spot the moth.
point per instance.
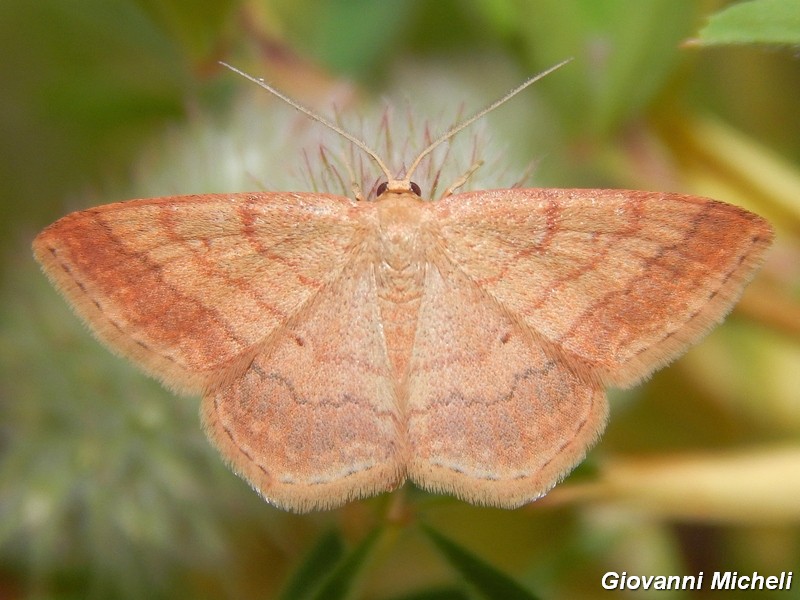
(343, 346)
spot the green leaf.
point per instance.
(625, 53)
(341, 581)
(444, 593)
(756, 22)
(485, 579)
(353, 37)
(318, 565)
(197, 26)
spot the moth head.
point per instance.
(398, 186)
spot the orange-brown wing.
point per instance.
(491, 417)
(186, 286)
(314, 421)
(613, 283)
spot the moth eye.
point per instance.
(381, 188)
(415, 189)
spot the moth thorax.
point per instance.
(400, 231)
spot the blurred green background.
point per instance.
(108, 488)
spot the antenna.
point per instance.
(397, 184)
(469, 121)
(319, 118)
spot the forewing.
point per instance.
(492, 418)
(615, 283)
(185, 286)
(313, 422)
